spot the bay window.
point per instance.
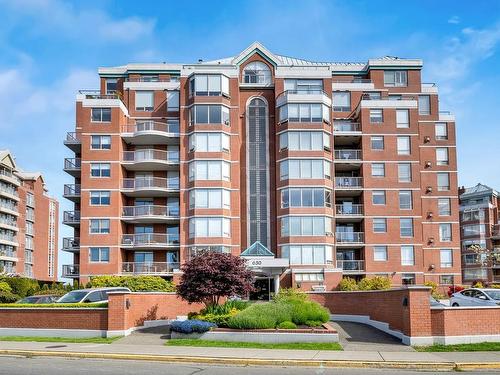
(304, 86)
(209, 142)
(209, 170)
(307, 254)
(307, 112)
(208, 114)
(208, 85)
(305, 168)
(210, 198)
(306, 226)
(306, 197)
(305, 141)
(209, 227)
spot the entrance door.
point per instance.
(264, 289)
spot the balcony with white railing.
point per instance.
(71, 244)
(347, 156)
(352, 84)
(305, 95)
(150, 160)
(8, 255)
(149, 268)
(348, 183)
(149, 132)
(8, 208)
(73, 141)
(346, 128)
(150, 214)
(71, 270)
(150, 186)
(349, 210)
(71, 218)
(8, 239)
(72, 192)
(7, 176)
(73, 166)
(150, 241)
(8, 191)
(351, 266)
(8, 222)
(349, 238)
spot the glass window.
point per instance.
(408, 279)
(209, 198)
(305, 197)
(101, 114)
(378, 169)
(444, 206)
(99, 198)
(111, 86)
(376, 116)
(173, 101)
(144, 100)
(304, 86)
(99, 226)
(208, 85)
(395, 78)
(377, 142)
(342, 101)
(257, 72)
(404, 172)
(473, 229)
(379, 225)
(404, 145)
(407, 256)
(305, 168)
(303, 112)
(100, 169)
(445, 232)
(442, 156)
(99, 254)
(209, 227)
(380, 253)
(402, 118)
(304, 141)
(405, 200)
(443, 181)
(209, 170)
(378, 196)
(441, 131)
(100, 142)
(406, 227)
(305, 226)
(209, 114)
(446, 280)
(424, 105)
(209, 142)
(446, 256)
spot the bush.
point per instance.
(478, 284)
(308, 310)
(261, 316)
(454, 289)
(348, 284)
(287, 325)
(8, 298)
(375, 283)
(191, 326)
(56, 305)
(22, 286)
(5, 287)
(494, 286)
(434, 290)
(314, 323)
(225, 308)
(290, 294)
(134, 283)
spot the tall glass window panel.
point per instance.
(406, 227)
(443, 181)
(404, 172)
(442, 156)
(342, 101)
(402, 118)
(424, 105)
(407, 256)
(441, 131)
(403, 144)
(446, 257)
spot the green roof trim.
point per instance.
(257, 250)
(260, 53)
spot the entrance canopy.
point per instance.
(262, 261)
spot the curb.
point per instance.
(436, 366)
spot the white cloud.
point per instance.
(454, 20)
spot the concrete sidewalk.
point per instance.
(444, 361)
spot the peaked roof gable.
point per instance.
(258, 48)
(257, 250)
(7, 159)
(478, 189)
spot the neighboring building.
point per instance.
(335, 168)
(480, 229)
(28, 223)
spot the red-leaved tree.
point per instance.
(210, 276)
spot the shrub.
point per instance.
(375, 283)
(225, 308)
(287, 325)
(494, 286)
(191, 326)
(5, 287)
(308, 310)
(22, 286)
(434, 290)
(478, 284)
(314, 323)
(8, 297)
(261, 316)
(454, 289)
(56, 305)
(134, 283)
(348, 284)
(290, 294)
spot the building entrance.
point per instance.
(264, 289)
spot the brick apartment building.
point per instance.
(28, 223)
(480, 229)
(313, 170)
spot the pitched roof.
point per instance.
(479, 189)
(257, 250)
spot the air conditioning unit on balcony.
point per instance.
(428, 164)
(427, 139)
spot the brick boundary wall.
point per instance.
(457, 321)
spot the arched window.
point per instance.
(257, 72)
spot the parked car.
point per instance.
(94, 295)
(434, 302)
(476, 297)
(48, 298)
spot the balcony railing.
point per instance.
(149, 267)
(8, 237)
(151, 210)
(8, 206)
(346, 127)
(348, 182)
(139, 183)
(8, 253)
(72, 190)
(9, 190)
(150, 239)
(151, 155)
(350, 237)
(495, 231)
(351, 265)
(348, 154)
(71, 217)
(8, 221)
(153, 126)
(72, 164)
(71, 243)
(70, 270)
(7, 173)
(72, 138)
(96, 94)
(354, 209)
(351, 80)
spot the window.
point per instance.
(377, 143)
(208, 85)
(209, 170)
(304, 86)
(306, 197)
(373, 95)
(475, 273)
(304, 141)
(407, 256)
(473, 214)
(209, 142)
(424, 105)
(376, 116)
(173, 101)
(101, 114)
(378, 196)
(446, 256)
(209, 114)
(406, 227)
(380, 253)
(408, 279)
(307, 254)
(473, 229)
(257, 72)
(445, 232)
(402, 118)
(100, 169)
(210, 198)
(404, 172)
(441, 131)
(442, 156)
(379, 225)
(99, 226)
(378, 169)
(99, 254)
(443, 181)
(405, 200)
(99, 198)
(404, 145)
(342, 101)
(446, 280)
(314, 277)
(395, 78)
(307, 112)
(209, 227)
(305, 168)
(111, 86)
(100, 142)
(144, 100)
(305, 226)
(444, 206)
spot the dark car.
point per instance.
(48, 298)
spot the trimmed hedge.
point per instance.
(287, 325)
(191, 326)
(134, 283)
(54, 305)
(348, 284)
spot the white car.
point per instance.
(95, 295)
(476, 297)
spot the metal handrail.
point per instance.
(72, 189)
(349, 237)
(7, 173)
(7, 237)
(149, 267)
(71, 242)
(96, 94)
(150, 182)
(73, 137)
(348, 154)
(70, 270)
(72, 163)
(151, 155)
(151, 210)
(148, 126)
(71, 216)
(348, 182)
(351, 80)
(347, 127)
(148, 239)
(355, 209)
(9, 190)
(8, 253)
(351, 265)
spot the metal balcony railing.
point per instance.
(151, 155)
(71, 217)
(151, 210)
(348, 182)
(351, 265)
(8, 206)
(139, 183)
(348, 154)
(73, 138)
(149, 268)
(72, 164)
(346, 127)
(351, 80)
(72, 189)
(171, 127)
(350, 237)
(70, 270)
(7, 237)
(96, 94)
(71, 243)
(150, 239)
(8, 221)
(7, 173)
(8, 253)
(354, 209)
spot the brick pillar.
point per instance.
(418, 312)
(117, 311)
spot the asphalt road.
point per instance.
(60, 366)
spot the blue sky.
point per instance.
(50, 48)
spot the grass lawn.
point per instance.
(223, 344)
(94, 340)
(479, 347)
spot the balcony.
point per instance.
(348, 186)
(8, 255)
(9, 208)
(73, 141)
(70, 270)
(8, 239)
(71, 218)
(150, 160)
(346, 128)
(71, 244)
(152, 132)
(149, 268)
(352, 84)
(8, 176)
(150, 186)
(351, 266)
(349, 210)
(72, 192)
(73, 166)
(150, 214)
(7, 222)
(347, 155)
(311, 95)
(150, 241)
(495, 232)
(349, 238)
